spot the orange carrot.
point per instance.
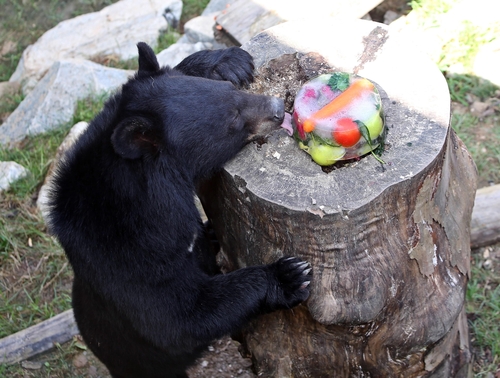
(339, 103)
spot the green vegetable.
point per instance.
(339, 81)
(366, 134)
(323, 154)
(375, 125)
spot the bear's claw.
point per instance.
(293, 277)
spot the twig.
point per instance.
(54, 278)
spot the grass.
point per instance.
(481, 136)
(428, 11)
(483, 145)
(35, 279)
(462, 86)
(88, 108)
(483, 308)
(461, 49)
(35, 155)
(191, 9)
(34, 289)
(9, 103)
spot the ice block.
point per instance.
(337, 116)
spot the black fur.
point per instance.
(145, 297)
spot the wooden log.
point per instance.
(389, 244)
(246, 18)
(485, 224)
(38, 338)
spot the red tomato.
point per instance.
(346, 132)
(300, 128)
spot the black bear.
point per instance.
(122, 206)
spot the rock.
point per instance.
(10, 172)
(178, 51)
(43, 194)
(7, 47)
(31, 365)
(53, 101)
(216, 6)
(478, 108)
(244, 19)
(80, 360)
(486, 62)
(92, 371)
(198, 35)
(115, 30)
(390, 16)
(200, 29)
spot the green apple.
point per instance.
(324, 154)
(374, 125)
(366, 148)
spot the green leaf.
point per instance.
(320, 140)
(80, 346)
(339, 81)
(366, 134)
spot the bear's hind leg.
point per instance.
(117, 345)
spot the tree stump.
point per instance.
(389, 244)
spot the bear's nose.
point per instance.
(278, 109)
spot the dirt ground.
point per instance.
(222, 360)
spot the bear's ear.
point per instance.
(135, 136)
(147, 58)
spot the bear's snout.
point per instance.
(270, 117)
(278, 106)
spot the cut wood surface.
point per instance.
(485, 224)
(38, 338)
(245, 18)
(389, 244)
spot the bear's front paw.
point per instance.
(289, 284)
(234, 65)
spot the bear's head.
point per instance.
(186, 120)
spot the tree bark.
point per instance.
(389, 244)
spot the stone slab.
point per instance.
(53, 101)
(115, 30)
(10, 172)
(245, 18)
